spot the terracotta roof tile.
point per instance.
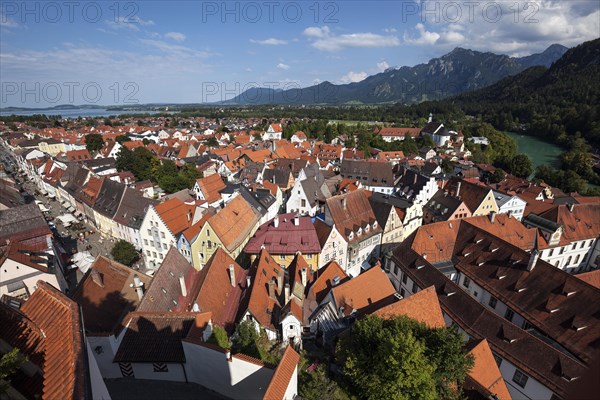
(366, 290)
(422, 306)
(211, 187)
(234, 222)
(176, 214)
(282, 377)
(351, 211)
(286, 238)
(485, 371)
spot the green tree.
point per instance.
(520, 165)
(246, 339)
(9, 364)
(212, 142)
(498, 176)
(93, 142)
(316, 384)
(219, 337)
(124, 252)
(400, 358)
(122, 139)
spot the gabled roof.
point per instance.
(156, 337)
(557, 303)
(109, 198)
(164, 293)
(32, 256)
(105, 295)
(366, 290)
(133, 208)
(24, 224)
(283, 374)
(422, 306)
(580, 221)
(213, 292)
(234, 222)
(286, 237)
(473, 195)
(368, 173)
(89, 192)
(351, 211)
(48, 331)
(264, 308)
(528, 353)
(592, 277)
(176, 214)
(485, 374)
(211, 187)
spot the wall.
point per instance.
(235, 378)
(175, 372)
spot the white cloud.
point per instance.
(316, 32)
(269, 42)
(382, 66)
(283, 66)
(132, 24)
(424, 36)
(323, 39)
(390, 30)
(531, 30)
(353, 77)
(176, 36)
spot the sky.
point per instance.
(153, 51)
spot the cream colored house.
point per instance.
(230, 228)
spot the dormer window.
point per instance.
(367, 228)
(351, 235)
(359, 232)
(375, 225)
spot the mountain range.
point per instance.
(459, 71)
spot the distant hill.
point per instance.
(561, 100)
(459, 71)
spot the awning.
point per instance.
(51, 195)
(43, 192)
(71, 209)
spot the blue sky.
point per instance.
(193, 51)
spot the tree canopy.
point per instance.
(400, 358)
(124, 252)
(93, 142)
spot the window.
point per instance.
(282, 256)
(302, 203)
(577, 259)
(208, 232)
(154, 254)
(396, 270)
(509, 314)
(402, 292)
(146, 242)
(160, 367)
(582, 244)
(526, 325)
(147, 252)
(404, 278)
(466, 282)
(493, 301)
(520, 378)
(415, 288)
(164, 246)
(149, 231)
(309, 256)
(551, 252)
(162, 235)
(568, 261)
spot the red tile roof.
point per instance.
(422, 306)
(105, 295)
(592, 277)
(176, 214)
(366, 290)
(211, 187)
(212, 290)
(485, 371)
(356, 213)
(287, 238)
(233, 223)
(283, 375)
(57, 317)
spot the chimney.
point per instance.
(335, 280)
(492, 217)
(279, 281)
(303, 276)
(182, 285)
(232, 275)
(228, 354)
(458, 189)
(571, 206)
(430, 117)
(276, 222)
(415, 181)
(248, 281)
(344, 203)
(287, 293)
(272, 289)
(139, 286)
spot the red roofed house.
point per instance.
(273, 132)
(209, 189)
(161, 228)
(283, 237)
